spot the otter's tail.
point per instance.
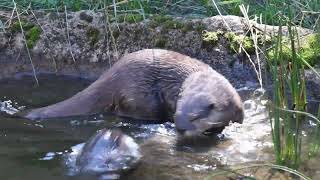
(82, 103)
(91, 100)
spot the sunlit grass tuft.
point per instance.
(288, 108)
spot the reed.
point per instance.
(306, 11)
(288, 108)
(289, 92)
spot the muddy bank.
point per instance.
(85, 44)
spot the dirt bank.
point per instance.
(85, 44)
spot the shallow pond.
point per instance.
(34, 150)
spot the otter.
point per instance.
(107, 153)
(155, 85)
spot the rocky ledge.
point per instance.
(85, 43)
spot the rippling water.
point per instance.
(34, 150)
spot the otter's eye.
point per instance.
(211, 106)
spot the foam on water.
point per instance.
(247, 142)
(7, 107)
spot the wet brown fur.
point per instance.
(143, 85)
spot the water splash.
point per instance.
(145, 131)
(7, 107)
(247, 142)
(201, 167)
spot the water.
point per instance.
(34, 150)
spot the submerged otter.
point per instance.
(106, 154)
(154, 84)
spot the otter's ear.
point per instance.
(211, 106)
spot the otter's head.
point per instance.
(207, 102)
(108, 151)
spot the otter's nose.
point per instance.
(239, 116)
(182, 123)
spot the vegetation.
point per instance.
(167, 22)
(93, 35)
(32, 31)
(288, 108)
(306, 11)
(286, 126)
(15, 27)
(210, 37)
(160, 42)
(309, 50)
(32, 36)
(130, 18)
(234, 42)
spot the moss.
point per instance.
(160, 42)
(265, 40)
(247, 44)
(15, 27)
(172, 24)
(153, 24)
(32, 36)
(230, 36)
(220, 33)
(161, 19)
(236, 40)
(93, 35)
(233, 46)
(166, 22)
(210, 37)
(199, 27)
(116, 34)
(286, 54)
(32, 31)
(309, 51)
(187, 27)
(130, 18)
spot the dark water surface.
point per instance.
(33, 150)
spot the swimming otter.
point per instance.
(107, 153)
(154, 84)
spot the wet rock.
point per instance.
(3, 40)
(19, 41)
(313, 85)
(86, 17)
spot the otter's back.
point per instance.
(146, 83)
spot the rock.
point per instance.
(86, 17)
(90, 44)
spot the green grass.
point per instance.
(309, 50)
(306, 11)
(287, 76)
(288, 108)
